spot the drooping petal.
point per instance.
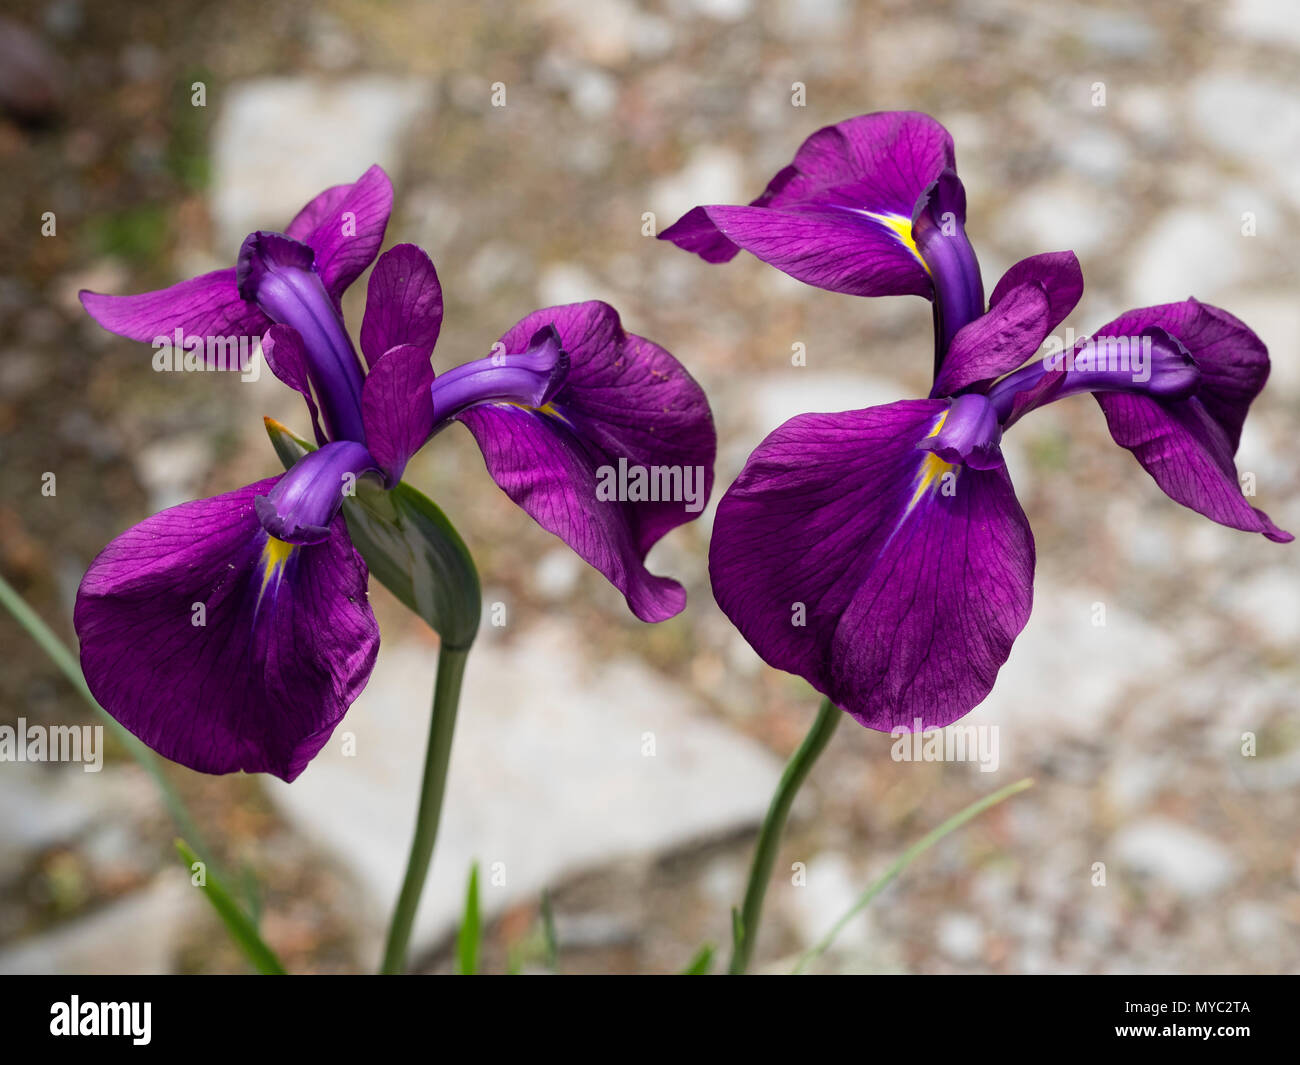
(1187, 444)
(281, 277)
(619, 455)
(208, 306)
(397, 407)
(840, 215)
(893, 582)
(284, 353)
(403, 303)
(838, 248)
(220, 647)
(345, 226)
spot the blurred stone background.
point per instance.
(1133, 731)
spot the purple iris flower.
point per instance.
(871, 207)
(233, 633)
(882, 554)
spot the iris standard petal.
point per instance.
(397, 407)
(220, 647)
(345, 226)
(208, 306)
(840, 215)
(403, 303)
(1060, 275)
(995, 343)
(890, 580)
(619, 455)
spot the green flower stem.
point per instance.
(69, 667)
(745, 926)
(446, 698)
(905, 859)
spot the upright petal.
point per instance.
(1059, 274)
(397, 407)
(1030, 300)
(403, 303)
(995, 343)
(221, 647)
(840, 215)
(894, 582)
(621, 453)
(345, 226)
(206, 306)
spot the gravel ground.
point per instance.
(614, 109)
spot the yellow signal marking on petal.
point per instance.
(902, 229)
(545, 408)
(275, 554)
(932, 469)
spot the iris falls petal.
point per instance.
(220, 646)
(894, 581)
(618, 451)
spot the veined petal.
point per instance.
(397, 407)
(345, 226)
(1059, 274)
(1187, 443)
(619, 455)
(835, 247)
(220, 647)
(403, 303)
(1030, 300)
(208, 306)
(995, 343)
(840, 215)
(890, 580)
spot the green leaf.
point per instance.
(241, 929)
(471, 928)
(549, 939)
(410, 547)
(904, 860)
(701, 963)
